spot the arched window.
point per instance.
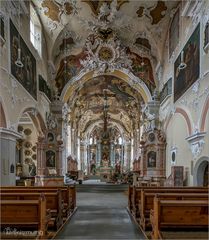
(35, 30)
(120, 140)
(91, 140)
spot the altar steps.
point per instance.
(99, 188)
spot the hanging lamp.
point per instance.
(18, 62)
(182, 64)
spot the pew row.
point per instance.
(147, 201)
(178, 214)
(136, 195)
(53, 203)
(68, 195)
(24, 214)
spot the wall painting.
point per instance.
(25, 75)
(184, 78)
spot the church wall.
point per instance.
(176, 133)
(14, 97)
(191, 103)
(7, 160)
(200, 163)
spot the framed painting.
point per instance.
(50, 159)
(25, 75)
(174, 33)
(184, 78)
(151, 159)
(2, 32)
(206, 35)
(167, 90)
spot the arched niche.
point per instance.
(199, 171)
(30, 125)
(35, 117)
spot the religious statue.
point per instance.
(105, 161)
(51, 121)
(117, 168)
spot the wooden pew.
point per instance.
(130, 196)
(147, 199)
(25, 214)
(68, 194)
(178, 214)
(136, 201)
(53, 203)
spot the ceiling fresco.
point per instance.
(71, 65)
(126, 18)
(54, 9)
(96, 5)
(101, 38)
(155, 13)
(87, 103)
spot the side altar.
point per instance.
(49, 152)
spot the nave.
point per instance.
(101, 215)
(104, 211)
(114, 92)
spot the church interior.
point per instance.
(104, 119)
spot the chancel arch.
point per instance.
(127, 76)
(105, 109)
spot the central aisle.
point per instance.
(101, 216)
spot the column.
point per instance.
(122, 157)
(132, 153)
(78, 153)
(85, 157)
(72, 141)
(41, 158)
(129, 156)
(112, 153)
(99, 153)
(82, 155)
(88, 159)
(59, 163)
(7, 157)
(137, 143)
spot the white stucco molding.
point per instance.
(196, 142)
(128, 77)
(6, 133)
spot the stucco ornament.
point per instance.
(197, 148)
(105, 56)
(196, 143)
(51, 121)
(65, 117)
(148, 118)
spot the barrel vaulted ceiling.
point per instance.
(101, 36)
(138, 24)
